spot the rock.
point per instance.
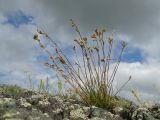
(96, 118)
(87, 111)
(101, 113)
(34, 99)
(156, 111)
(7, 108)
(117, 110)
(148, 116)
(142, 114)
(10, 114)
(7, 104)
(44, 103)
(117, 117)
(123, 112)
(33, 106)
(78, 114)
(23, 103)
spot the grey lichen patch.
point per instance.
(10, 114)
(57, 111)
(96, 118)
(44, 103)
(24, 103)
(78, 114)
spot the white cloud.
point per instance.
(145, 78)
(17, 52)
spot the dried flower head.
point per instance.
(51, 66)
(61, 70)
(72, 22)
(57, 50)
(104, 30)
(99, 32)
(96, 31)
(61, 59)
(103, 60)
(81, 43)
(52, 57)
(123, 44)
(76, 63)
(85, 39)
(74, 48)
(35, 37)
(96, 48)
(94, 36)
(39, 31)
(41, 45)
(110, 40)
(46, 35)
(46, 63)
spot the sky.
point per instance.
(135, 21)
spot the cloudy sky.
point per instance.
(135, 21)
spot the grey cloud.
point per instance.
(136, 20)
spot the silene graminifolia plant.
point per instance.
(90, 76)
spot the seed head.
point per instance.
(74, 48)
(46, 35)
(61, 59)
(57, 50)
(46, 63)
(52, 57)
(39, 31)
(94, 36)
(35, 37)
(123, 44)
(110, 40)
(96, 48)
(103, 60)
(104, 30)
(85, 39)
(96, 31)
(72, 22)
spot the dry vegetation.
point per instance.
(90, 76)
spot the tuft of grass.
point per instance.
(30, 80)
(44, 86)
(12, 90)
(90, 76)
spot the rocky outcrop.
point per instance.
(33, 106)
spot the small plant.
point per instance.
(30, 81)
(13, 90)
(41, 88)
(90, 75)
(44, 86)
(47, 86)
(59, 84)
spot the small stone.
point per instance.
(24, 103)
(96, 118)
(117, 110)
(44, 103)
(117, 117)
(57, 111)
(78, 114)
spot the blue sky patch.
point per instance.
(2, 74)
(18, 18)
(132, 55)
(42, 58)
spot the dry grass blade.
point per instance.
(88, 76)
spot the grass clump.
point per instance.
(12, 90)
(90, 75)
